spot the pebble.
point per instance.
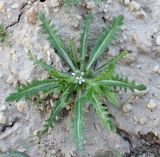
(128, 59)
(134, 6)
(90, 5)
(142, 120)
(151, 104)
(141, 93)
(1, 7)
(158, 40)
(126, 2)
(3, 118)
(127, 108)
(141, 14)
(15, 6)
(3, 108)
(32, 17)
(21, 149)
(156, 68)
(21, 106)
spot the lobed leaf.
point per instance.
(103, 114)
(104, 41)
(54, 39)
(118, 82)
(114, 60)
(59, 106)
(29, 89)
(52, 71)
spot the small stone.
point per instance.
(141, 93)
(127, 108)
(21, 106)
(142, 120)
(15, 6)
(158, 40)
(3, 108)
(1, 7)
(141, 14)
(20, 149)
(126, 2)
(156, 68)
(32, 17)
(90, 5)
(134, 6)
(3, 118)
(128, 59)
(151, 104)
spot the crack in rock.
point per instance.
(22, 9)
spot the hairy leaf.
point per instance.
(73, 51)
(118, 82)
(112, 98)
(59, 106)
(103, 114)
(29, 89)
(53, 72)
(54, 39)
(78, 122)
(114, 60)
(84, 40)
(106, 38)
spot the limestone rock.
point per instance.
(127, 108)
(3, 118)
(21, 106)
(151, 104)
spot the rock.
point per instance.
(3, 118)
(15, 6)
(127, 108)
(141, 14)
(134, 6)
(1, 7)
(142, 120)
(140, 93)
(151, 104)
(156, 68)
(21, 149)
(158, 40)
(90, 5)
(3, 108)
(126, 2)
(21, 106)
(128, 59)
(32, 17)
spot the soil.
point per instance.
(138, 119)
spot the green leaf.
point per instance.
(13, 153)
(73, 51)
(112, 98)
(118, 82)
(59, 106)
(84, 40)
(52, 71)
(104, 41)
(114, 60)
(54, 39)
(106, 74)
(103, 114)
(29, 89)
(78, 122)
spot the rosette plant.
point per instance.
(83, 83)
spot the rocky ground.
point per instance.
(138, 130)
